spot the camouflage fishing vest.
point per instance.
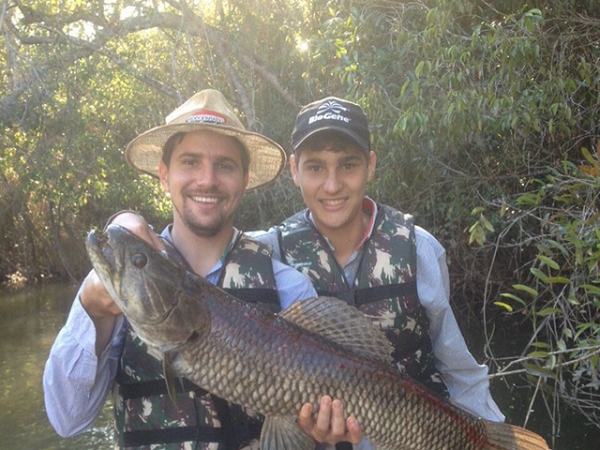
(384, 289)
(145, 416)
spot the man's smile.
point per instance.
(202, 199)
(333, 202)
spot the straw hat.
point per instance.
(208, 110)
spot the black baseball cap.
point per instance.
(332, 114)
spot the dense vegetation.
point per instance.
(484, 118)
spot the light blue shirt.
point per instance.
(77, 382)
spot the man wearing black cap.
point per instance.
(369, 255)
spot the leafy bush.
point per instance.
(559, 287)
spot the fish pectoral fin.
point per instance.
(170, 375)
(283, 433)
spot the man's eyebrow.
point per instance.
(312, 160)
(224, 158)
(350, 158)
(199, 155)
(189, 153)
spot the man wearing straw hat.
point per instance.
(205, 160)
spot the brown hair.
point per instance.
(330, 141)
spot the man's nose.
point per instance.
(332, 182)
(207, 176)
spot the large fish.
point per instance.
(274, 363)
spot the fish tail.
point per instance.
(502, 436)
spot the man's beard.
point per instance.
(201, 229)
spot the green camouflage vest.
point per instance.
(145, 416)
(385, 285)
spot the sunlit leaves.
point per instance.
(527, 289)
(548, 262)
(479, 230)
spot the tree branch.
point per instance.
(105, 31)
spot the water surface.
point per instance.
(29, 323)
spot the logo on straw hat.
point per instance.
(206, 117)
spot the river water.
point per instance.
(31, 319)
(29, 323)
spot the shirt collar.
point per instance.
(219, 264)
(370, 208)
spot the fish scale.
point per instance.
(232, 358)
(273, 364)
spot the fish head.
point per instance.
(148, 287)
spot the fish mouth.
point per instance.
(102, 256)
(109, 258)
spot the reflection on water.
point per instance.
(569, 431)
(30, 321)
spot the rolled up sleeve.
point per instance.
(76, 382)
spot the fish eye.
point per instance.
(139, 260)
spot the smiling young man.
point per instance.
(205, 161)
(204, 174)
(375, 258)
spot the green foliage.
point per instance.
(478, 231)
(563, 284)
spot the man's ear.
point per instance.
(294, 170)
(372, 164)
(163, 175)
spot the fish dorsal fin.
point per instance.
(342, 324)
(283, 433)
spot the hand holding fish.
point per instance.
(329, 426)
(100, 307)
(94, 297)
(138, 226)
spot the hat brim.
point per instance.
(339, 130)
(267, 158)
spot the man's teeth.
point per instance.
(205, 199)
(333, 202)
